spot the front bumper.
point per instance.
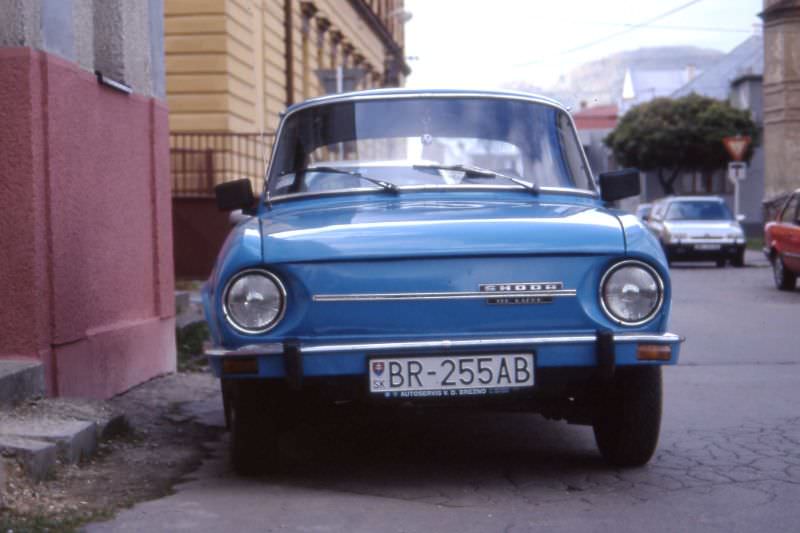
(294, 360)
(694, 250)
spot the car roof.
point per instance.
(692, 199)
(377, 94)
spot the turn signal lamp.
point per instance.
(654, 352)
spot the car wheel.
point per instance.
(738, 261)
(628, 420)
(666, 254)
(784, 279)
(254, 429)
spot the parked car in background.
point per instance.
(438, 248)
(643, 211)
(782, 243)
(698, 228)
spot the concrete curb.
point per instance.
(37, 458)
(37, 440)
(20, 380)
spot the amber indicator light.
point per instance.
(654, 352)
(240, 365)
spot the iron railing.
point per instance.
(200, 160)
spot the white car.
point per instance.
(698, 228)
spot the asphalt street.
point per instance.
(728, 460)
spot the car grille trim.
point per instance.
(466, 295)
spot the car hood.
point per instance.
(404, 228)
(703, 228)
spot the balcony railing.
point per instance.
(199, 161)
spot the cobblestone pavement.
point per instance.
(728, 460)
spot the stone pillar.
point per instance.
(781, 96)
(86, 275)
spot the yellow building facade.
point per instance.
(234, 65)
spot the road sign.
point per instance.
(736, 146)
(737, 171)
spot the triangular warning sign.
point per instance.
(736, 146)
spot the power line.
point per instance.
(688, 28)
(629, 29)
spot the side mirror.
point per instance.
(237, 194)
(619, 184)
(237, 216)
(740, 217)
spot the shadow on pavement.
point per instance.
(414, 449)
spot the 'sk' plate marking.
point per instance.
(503, 293)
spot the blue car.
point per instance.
(437, 248)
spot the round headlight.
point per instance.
(631, 292)
(254, 301)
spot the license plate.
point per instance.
(706, 246)
(450, 375)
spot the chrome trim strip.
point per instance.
(277, 348)
(648, 337)
(251, 349)
(471, 295)
(791, 254)
(395, 94)
(445, 344)
(481, 343)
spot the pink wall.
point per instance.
(86, 281)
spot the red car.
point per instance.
(782, 243)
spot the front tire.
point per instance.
(784, 279)
(738, 261)
(628, 420)
(254, 429)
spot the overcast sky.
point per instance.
(491, 43)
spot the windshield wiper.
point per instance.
(333, 170)
(471, 171)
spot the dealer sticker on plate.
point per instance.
(475, 375)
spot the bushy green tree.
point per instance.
(672, 136)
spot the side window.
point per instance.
(572, 153)
(791, 213)
(796, 220)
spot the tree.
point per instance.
(672, 136)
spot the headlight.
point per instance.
(254, 301)
(631, 292)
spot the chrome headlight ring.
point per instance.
(644, 267)
(269, 324)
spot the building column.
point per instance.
(781, 96)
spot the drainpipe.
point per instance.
(288, 46)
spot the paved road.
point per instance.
(729, 458)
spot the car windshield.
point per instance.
(421, 141)
(698, 210)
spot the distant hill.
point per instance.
(600, 82)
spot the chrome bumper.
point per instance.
(275, 348)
